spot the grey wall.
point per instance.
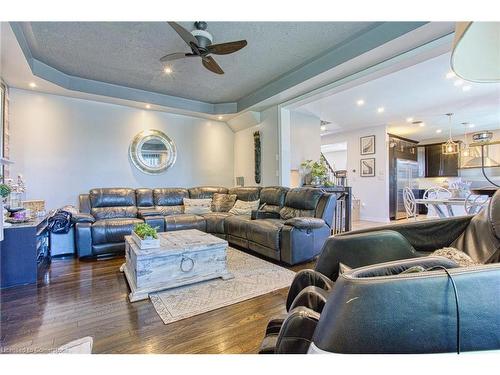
(305, 138)
(244, 150)
(65, 146)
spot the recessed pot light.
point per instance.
(409, 119)
(380, 109)
(438, 131)
(167, 70)
(360, 102)
(32, 85)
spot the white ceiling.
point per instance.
(421, 92)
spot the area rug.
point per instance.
(252, 277)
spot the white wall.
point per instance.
(337, 159)
(372, 191)
(65, 146)
(244, 160)
(305, 138)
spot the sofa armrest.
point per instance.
(145, 212)
(83, 239)
(82, 218)
(362, 249)
(261, 214)
(297, 331)
(305, 222)
(304, 279)
(157, 222)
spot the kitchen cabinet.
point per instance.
(439, 165)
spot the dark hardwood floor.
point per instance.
(89, 298)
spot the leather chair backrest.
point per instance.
(301, 202)
(84, 203)
(110, 203)
(144, 197)
(326, 208)
(376, 309)
(273, 197)
(481, 239)
(170, 201)
(246, 193)
(204, 192)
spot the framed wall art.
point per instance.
(367, 167)
(367, 145)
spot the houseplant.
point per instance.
(317, 170)
(145, 236)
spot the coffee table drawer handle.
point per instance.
(190, 265)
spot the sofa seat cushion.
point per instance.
(265, 232)
(112, 230)
(170, 210)
(184, 221)
(215, 221)
(235, 225)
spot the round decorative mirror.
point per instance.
(152, 152)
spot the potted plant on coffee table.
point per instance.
(145, 236)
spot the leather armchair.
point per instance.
(379, 309)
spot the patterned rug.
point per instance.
(252, 277)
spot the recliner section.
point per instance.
(292, 227)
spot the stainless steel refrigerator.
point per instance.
(406, 176)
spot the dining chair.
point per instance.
(474, 203)
(436, 192)
(410, 203)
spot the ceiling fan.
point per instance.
(200, 42)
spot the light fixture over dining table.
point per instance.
(450, 147)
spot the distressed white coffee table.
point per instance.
(184, 257)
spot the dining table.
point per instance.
(438, 204)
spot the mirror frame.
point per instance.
(140, 139)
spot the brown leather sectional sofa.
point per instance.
(291, 227)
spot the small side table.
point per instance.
(24, 253)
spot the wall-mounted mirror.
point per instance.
(152, 152)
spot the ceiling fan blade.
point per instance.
(226, 48)
(175, 56)
(210, 64)
(184, 34)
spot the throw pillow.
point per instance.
(244, 208)
(197, 206)
(459, 257)
(223, 202)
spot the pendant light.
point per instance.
(450, 147)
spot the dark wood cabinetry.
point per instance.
(439, 165)
(24, 253)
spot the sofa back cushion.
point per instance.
(246, 193)
(144, 197)
(169, 196)
(273, 197)
(204, 192)
(110, 203)
(300, 202)
(223, 202)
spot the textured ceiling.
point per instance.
(127, 53)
